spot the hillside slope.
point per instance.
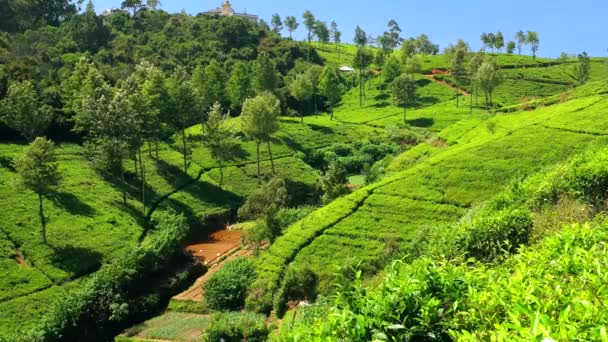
(365, 225)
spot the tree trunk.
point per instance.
(471, 104)
(271, 160)
(257, 142)
(404, 115)
(42, 218)
(135, 163)
(457, 97)
(149, 149)
(360, 87)
(314, 99)
(124, 186)
(184, 151)
(221, 172)
(143, 181)
(156, 143)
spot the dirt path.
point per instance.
(220, 244)
(445, 83)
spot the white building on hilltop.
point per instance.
(226, 10)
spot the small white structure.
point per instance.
(346, 69)
(226, 10)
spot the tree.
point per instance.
(511, 47)
(363, 59)
(260, 120)
(488, 78)
(239, 85)
(521, 39)
(210, 82)
(226, 290)
(24, 111)
(265, 77)
(88, 30)
(336, 35)
(218, 136)
(404, 92)
(322, 32)
(334, 182)
(425, 47)
(392, 69)
(474, 65)
(302, 89)
(533, 39)
(78, 90)
(491, 41)
(360, 37)
(266, 200)
(186, 108)
(38, 171)
(158, 102)
(277, 23)
(408, 50)
(458, 70)
(394, 32)
(485, 41)
(499, 42)
(330, 87)
(581, 71)
(133, 5)
(413, 65)
(309, 22)
(292, 25)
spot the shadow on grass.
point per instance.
(322, 129)
(71, 204)
(76, 260)
(7, 163)
(422, 122)
(290, 142)
(427, 100)
(383, 104)
(382, 97)
(423, 82)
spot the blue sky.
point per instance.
(563, 25)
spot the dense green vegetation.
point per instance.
(219, 119)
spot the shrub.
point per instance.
(119, 293)
(270, 197)
(236, 327)
(299, 284)
(227, 289)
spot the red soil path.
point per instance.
(444, 83)
(219, 245)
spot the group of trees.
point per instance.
(315, 28)
(497, 41)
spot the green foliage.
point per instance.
(24, 111)
(116, 296)
(227, 289)
(38, 167)
(239, 85)
(234, 327)
(583, 68)
(300, 284)
(392, 69)
(334, 182)
(266, 200)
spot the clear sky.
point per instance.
(563, 25)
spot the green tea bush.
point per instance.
(227, 289)
(300, 283)
(120, 292)
(236, 327)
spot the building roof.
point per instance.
(345, 68)
(227, 10)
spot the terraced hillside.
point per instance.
(485, 154)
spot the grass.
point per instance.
(438, 189)
(173, 326)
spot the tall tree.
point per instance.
(521, 39)
(133, 5)
(499, 42)
(511, 46)
(219, 137)
(408, 50)
(277, 23)
(336, 36)
(533, 40)
(363, 59)
(491, 41)
(474, 65)
(485, 41)
(334, 183)
(301, 89)
(186, 108)
(38, 171)
(210, 82)
(24, 111)
(424, 45)
(93, 88)
(583, 67)
(292, 25)
(395, 33)
(404, 92)
(265, 75)
(158, 103)
(239, 85)
(458, 70)
(322, 32)
(260, 121)
(309, 22)
(88, 30)
(360, 37)
(330, 87)
(488, 78)
(392, 69)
